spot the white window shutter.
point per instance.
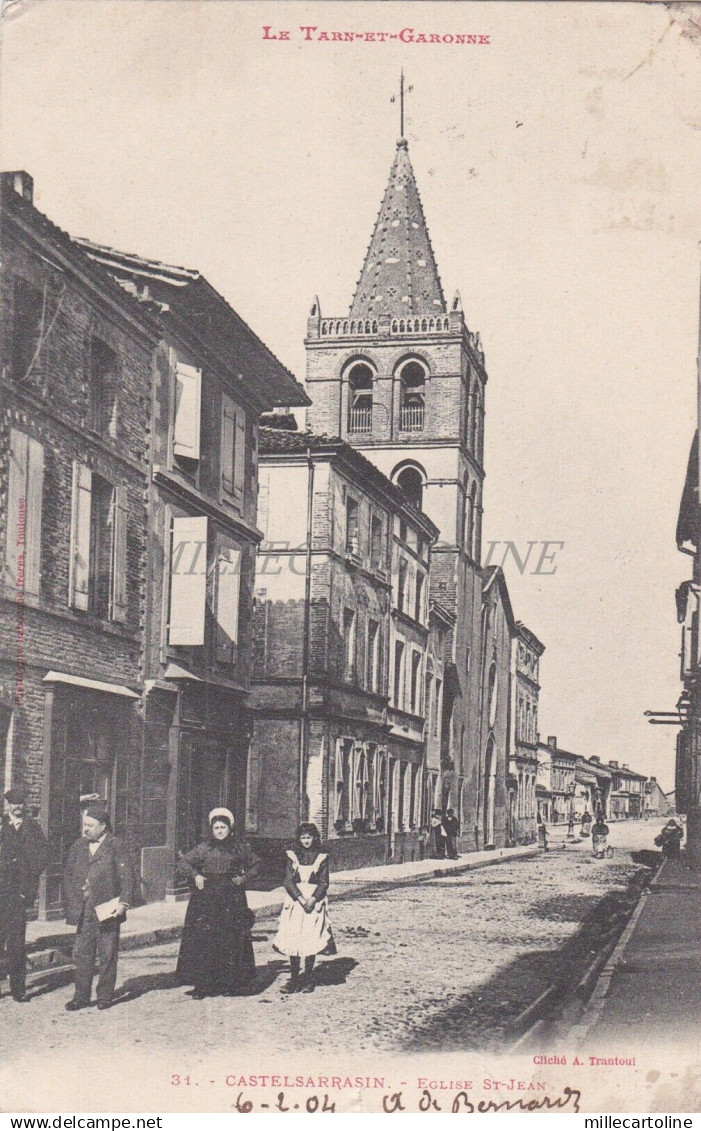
(396, 786)
(239, 455)
(119, 556)
(79, 575)
(228, 444)
(253, 768)
(188, 400)
(188, 580)
(264, 501)
(16, 507)
(32, 533)
(418, 794)
(338, 812)
(227, 610)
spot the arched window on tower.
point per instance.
(479, 425)
(412, 397)
(410, 481)
(473, 533)
(474, 413)
(468, 519)
(360, 380)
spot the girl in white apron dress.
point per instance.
(304, 929)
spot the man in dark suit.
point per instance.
(97, 871)
(24, 854)
(452, 829)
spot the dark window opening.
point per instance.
(104, 384)
(413, 389)
(360, 398)
(27, 328)
(352, 528)
(101, 540)
(415, 668)
(419, 603)
(376, 552)
(349, 643)
(402, 586)
(410, 481)
(398, 672)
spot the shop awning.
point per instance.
(90, 684)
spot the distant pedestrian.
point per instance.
(670, 839)
(542, 835)
(424, 842)
(599, 837)
(586, 823)
(216, 951)
(438, 835)
(452, 829)
(98, 884)
(23, 856)
(304, 930)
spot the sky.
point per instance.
(558, 165)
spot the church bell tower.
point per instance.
(401, 377)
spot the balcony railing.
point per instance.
(412, 418)
(360, 420)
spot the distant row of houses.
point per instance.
(568, 785)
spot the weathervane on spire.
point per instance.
(401, 101)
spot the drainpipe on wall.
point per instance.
(306, 648)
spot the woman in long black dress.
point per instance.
(216, 952)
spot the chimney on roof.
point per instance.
(653, 779)
(22, 184)
(595, 758)
(614, 764)
(625, 766)
(552, 741)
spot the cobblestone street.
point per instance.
(443, 965)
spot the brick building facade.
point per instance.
(340, 655)
(523, 743)
(129, 482)
(212, 378)
(76, 373)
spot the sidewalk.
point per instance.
(650, 990)
(49, 943)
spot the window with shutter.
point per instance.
(228, 587)
(417, 793)
(188, 401)
(343, 779)
(264, 501)
(239, 457)
(119, 556)
(252, 789)
(228, 445)
(79, 570)
(24, 511)
(188, 580)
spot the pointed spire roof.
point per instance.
(399, 276)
